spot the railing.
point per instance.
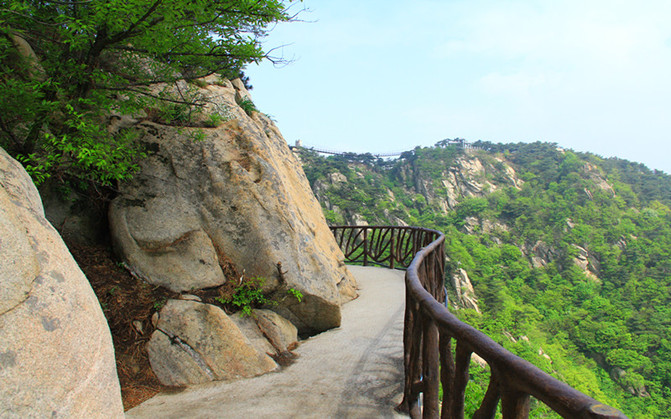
(392, 246)
(430, 328)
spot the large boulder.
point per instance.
(195, 343)
(235, 192)
(56, 353)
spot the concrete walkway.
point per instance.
(354, 371)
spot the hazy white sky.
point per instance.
(384, 76)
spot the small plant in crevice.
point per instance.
(248, 106)
(196, 136)
(199, 82)
(246, 296)
(159, 303)
(214, 120)
(175, 114)
(221, 113)
(222, 82)
(249, 295)
(296, 294)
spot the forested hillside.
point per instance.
(569, 254)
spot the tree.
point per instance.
(92, 57)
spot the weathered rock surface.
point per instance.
(596, 175)
(280, 332)
(464, 289)
(541, 254)
(196, 343)
(588, 263)
(468, 177)
(237, 195)
(76, 221)
(56, 353)
(249, 328)
(269, 332)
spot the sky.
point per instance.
(386, 76)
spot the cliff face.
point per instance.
(230, 193)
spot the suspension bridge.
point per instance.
(458, 142)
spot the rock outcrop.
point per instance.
(588, 263)
(195, 343)
(56, 353)
(269, 332)
(541, 254)
(467, 177)
(464, 289)
(236, 194)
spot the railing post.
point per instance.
(365, 246)
(430, 374)
(514, 404)
(392, 252)
(462, 363)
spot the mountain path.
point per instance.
(354, 371)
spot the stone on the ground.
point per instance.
(280, 332)
(249, 328)
(196, 343)
(56, 353)
(235, 194)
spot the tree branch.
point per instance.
(129, 32)
(151, 95)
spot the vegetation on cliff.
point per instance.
(67, 67)
(569, 253)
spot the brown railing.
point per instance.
(392, 246)
(430, 328)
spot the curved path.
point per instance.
(354, 371)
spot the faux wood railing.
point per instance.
(430, 329)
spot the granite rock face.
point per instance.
(195, 343)
(464, 289)
(236, 194)
(56, 353)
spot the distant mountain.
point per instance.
(562, 257)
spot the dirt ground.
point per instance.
(128, 304)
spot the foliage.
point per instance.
(604, 330)
(296, 294)
(247, 295)
(96, 58)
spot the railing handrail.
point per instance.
(428, 331)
